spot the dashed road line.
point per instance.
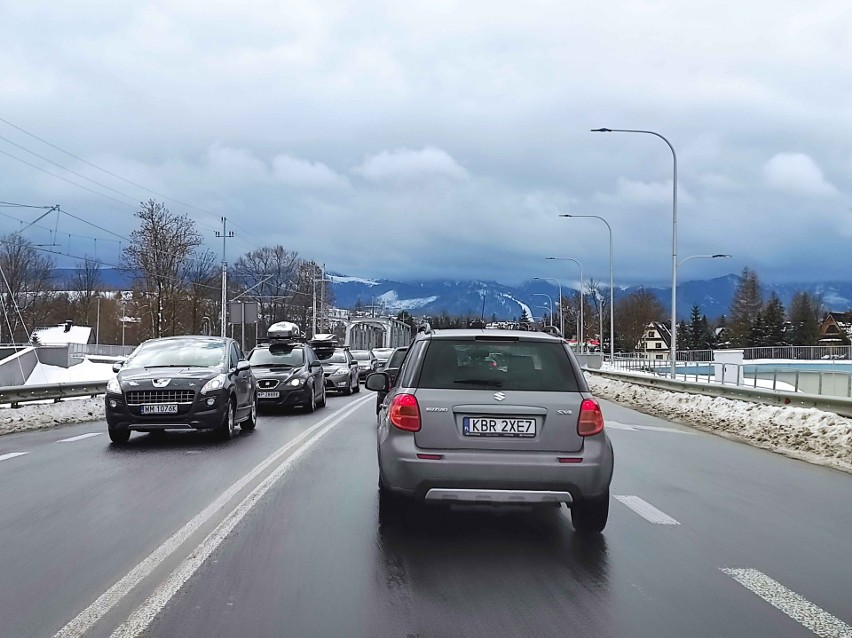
(647, 511)
(87, 618)
(11, 455)
(80, 437)
(819, 621)
(615, 425)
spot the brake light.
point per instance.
(405, 413)
(591, 419)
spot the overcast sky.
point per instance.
(421, 140)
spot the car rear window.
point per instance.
(519, 365)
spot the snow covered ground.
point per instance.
(809, 434)
(82, 372)
(40, 415)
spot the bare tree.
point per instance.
(86, 284)
(270, 272)
(201, 274)
(25, 285)
(634, 313)
(157, 255)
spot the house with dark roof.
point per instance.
(836, 329)
(655, 342)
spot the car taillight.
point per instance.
(405, 413)
(591, 419)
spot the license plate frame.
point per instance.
(158, 409)
(268, 394)
(500, 427)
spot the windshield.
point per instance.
(382, 354)
(396, 358)
(265, 356)
(361, 355)
(178, 352)
(336, 357)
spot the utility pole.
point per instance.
(322, 298)
(225, 235)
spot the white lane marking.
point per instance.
(616, 425)
(87, 618)
(11, 455)
(139, 620)
(80, 438)
(647, 511)
(799, 609)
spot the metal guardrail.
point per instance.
(838, 405)
(18, 394)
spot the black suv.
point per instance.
(182, 383)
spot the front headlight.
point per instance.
(216, 383)
(295, 382)
(113, 386)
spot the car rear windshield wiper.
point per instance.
(491, 383)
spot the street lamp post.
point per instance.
(674, 233)
(558, 285)
(611, 287)
(562, 326)
(718, 256)
(549, 300)
(549, 310)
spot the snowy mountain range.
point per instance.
(489, 298)
(469, 297)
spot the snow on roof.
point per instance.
(57, 336)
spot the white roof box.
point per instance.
(283, 330)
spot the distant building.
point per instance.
(655, 342)
(62, 335)
(836, 329)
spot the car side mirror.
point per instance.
(314, 365)
(117, 366)
(243, 365)
(378, 381)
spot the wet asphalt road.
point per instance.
(313, 558)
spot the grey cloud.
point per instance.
(796, 173)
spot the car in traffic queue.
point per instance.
(457, 429)
(182, 383)
(287, 370)
(366, 362)
(381, 355)
(394, 363)
(339, 367)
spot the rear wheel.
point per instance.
(251, 423)
(229, 426)
(119, 435)
(589, 516)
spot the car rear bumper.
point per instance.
(487, 475)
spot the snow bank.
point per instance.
(808, 434)
(80, 373)
(37, 416)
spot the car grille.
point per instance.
(267, 384)
(138, 397)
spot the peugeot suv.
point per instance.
(456, 428)
(182, 383)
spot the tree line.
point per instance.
(176, 284)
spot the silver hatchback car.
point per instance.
(493, 417)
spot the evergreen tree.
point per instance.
(525, 316)
(708, 336)
(774, 318)
(745, 308)
(805, 312)
(757, 337)
(684, 338)
(695, 335)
